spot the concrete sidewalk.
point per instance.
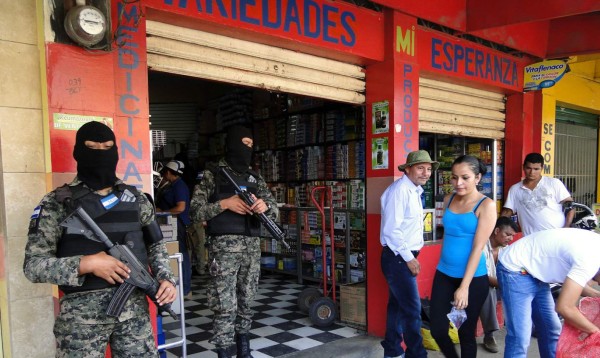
(369, 347)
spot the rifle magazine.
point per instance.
(116, 305)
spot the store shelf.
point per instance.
(304, 226)
(445, 149)
(301, 143)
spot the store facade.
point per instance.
(446, 87)
(433, 84)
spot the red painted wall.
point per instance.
(450, 13)
(112, 85)
(395, 80)
(520, 134)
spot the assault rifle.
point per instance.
(269, 224)
(139, 275)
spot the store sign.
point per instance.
(379, 153)
(458, 58)
(331, 24)
(131, 94)
(548, 145)
(543, 74)
(72, 122)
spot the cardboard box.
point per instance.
(352, 303)
(172, 248)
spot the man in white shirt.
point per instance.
(402, 239)
(537, 200)
(526, 268)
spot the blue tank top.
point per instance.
(459, 233)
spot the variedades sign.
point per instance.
(454, 57)
(330, 24)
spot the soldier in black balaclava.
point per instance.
(97, 155)
(82, 269)
(233, 236)
(238, 146)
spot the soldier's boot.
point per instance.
(243, 346)
(223, 353)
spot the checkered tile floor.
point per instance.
(279, 327)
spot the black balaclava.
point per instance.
(96, 167)
(238, 155)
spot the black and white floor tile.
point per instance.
(279, 327)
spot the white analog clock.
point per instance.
(85, 25)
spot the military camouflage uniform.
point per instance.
(82, 328)
(232, 290)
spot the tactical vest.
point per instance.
(228, 222)
(121, 223)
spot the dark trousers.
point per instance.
(441, 296)
(186, 264)
(403, 309)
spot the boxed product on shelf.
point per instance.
(340, 257)
(352, 303)
(275, 246)
(168, 226)
(308, 270)
(308, 255)
(357, 275)
(339, 220)
(289, 264)
(265, 245)
(357, 239)
(318, 253)
(358, 260)
(339, 275)
(268, 261)
(340, 240)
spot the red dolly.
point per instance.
(322, 310)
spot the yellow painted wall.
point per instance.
(578, 89)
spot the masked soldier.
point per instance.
(234, 244)
(82, 269)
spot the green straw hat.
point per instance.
(416, 157)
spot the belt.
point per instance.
(414, 252)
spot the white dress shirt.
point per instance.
(402, 218)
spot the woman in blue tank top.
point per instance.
(461, 278)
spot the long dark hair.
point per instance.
(474, 163)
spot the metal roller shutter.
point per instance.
(459, 110)
(195, 53)
(178, 120)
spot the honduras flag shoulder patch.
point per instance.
(109, 201)
(36, 212)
